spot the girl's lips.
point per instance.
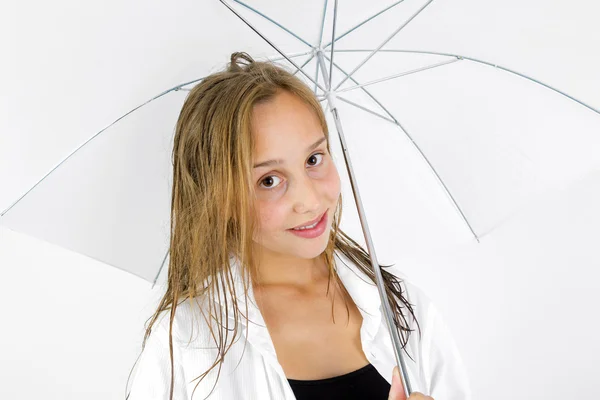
(311, 222)
(314, 232)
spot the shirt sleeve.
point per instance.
(152, 377)
(444, 370)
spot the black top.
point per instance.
(364, 383)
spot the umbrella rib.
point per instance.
(485, 63)
(384, 43)
(320, 41)
(316, 74)
(399, 75)
(277, 59)
(361, 24)
(422, 155)
(290, 56)
(303, 65)
(271, 43)
(176, 88)
(320, 57)
(298, 55)
(332, 45)
(173, 89)
(367, 110)
(322, 23)
(365, 90)
(295, 35)
(273, 21)
(160, 269)
(272, 59)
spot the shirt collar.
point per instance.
(363, 291)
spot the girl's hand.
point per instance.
(397, 390)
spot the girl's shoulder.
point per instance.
(192, 324)
(412, 291)
(194, 352)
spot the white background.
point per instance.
(521, 303)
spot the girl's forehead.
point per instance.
(285, 125)
(284, 113)
(288, 136)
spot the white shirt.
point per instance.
(437, 369)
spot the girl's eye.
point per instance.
(315, 155)
(271, 180)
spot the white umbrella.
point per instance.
(475, 133)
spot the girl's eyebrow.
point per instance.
(279, 161)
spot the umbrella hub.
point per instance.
(325, 72)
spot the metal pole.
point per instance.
(387, 312)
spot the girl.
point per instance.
(267, 297)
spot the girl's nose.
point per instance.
(306, 197)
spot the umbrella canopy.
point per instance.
(446, 145)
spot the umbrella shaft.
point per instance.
(367, 234)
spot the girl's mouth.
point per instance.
(316, 231)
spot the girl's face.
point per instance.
(295, 179)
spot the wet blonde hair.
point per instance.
(212, 209)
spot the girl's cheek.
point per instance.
(266, 216)
(271, 212)
(333, 180)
